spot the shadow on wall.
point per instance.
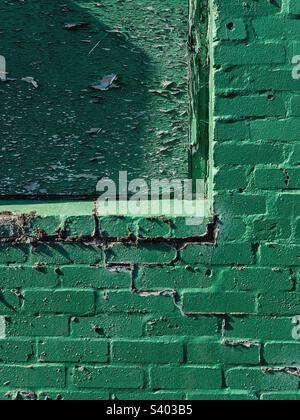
(49, 143)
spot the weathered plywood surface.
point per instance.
(47, 147)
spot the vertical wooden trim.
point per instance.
(199, 76)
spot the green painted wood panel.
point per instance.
(49, 145)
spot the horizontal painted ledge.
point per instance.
(48, 208)
(145, 208)
(23, 221)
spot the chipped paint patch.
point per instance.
(2, 327)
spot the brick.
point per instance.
(13, 254)
(271, 228)
(154, 228)
(288, 205)
(22, 276)
(59, 301)
(154, 352)
(79, 226)
(67, 253)
(241, 204)
(277, 28)
(256, 328)
(247, 154)
(33, 376)
(292, 50)
(63, 395)
(255, 380)
(151, 254)
(207, 302)
(269, 179)
(181, 229)
(254, 79)
(108, 325)
(46, 254)
(293, 178)
(130, 302)
(116, 227)
(250, 106)
(48, 225)
(109, 377)
(280, 396)
(263, 279)
(280, 255)
(295, 105)
(295, 154)
(235, 253)
(279, 303)
(237, 9)
(197, 254)
(179, 326)
(187, 378)
(76, 351)
(94, 277)
(226, 131)
(283, 354)
(10, 302)
(37, 326)
(285, 130)
(232, 228)
(232, 30)
(255, 53)
(279, 179)
(15, 350)
(230, 179)
(149, 396)
(152, 278)
(221, 396)
(208, 352)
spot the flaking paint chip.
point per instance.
(167, 83)
(158, 92)
(106, 83)
(94, 131)
(75, 26)
(31, 81)
(2, 327)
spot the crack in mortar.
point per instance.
(290, 371)
(17, 223)
(250, 344)
(169, 293)
(20, 225)
(22, 395)
(240, 343)
(236, 343)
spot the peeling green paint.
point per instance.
(199, 77)
(47, 132)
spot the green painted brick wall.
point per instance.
(176, 318)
